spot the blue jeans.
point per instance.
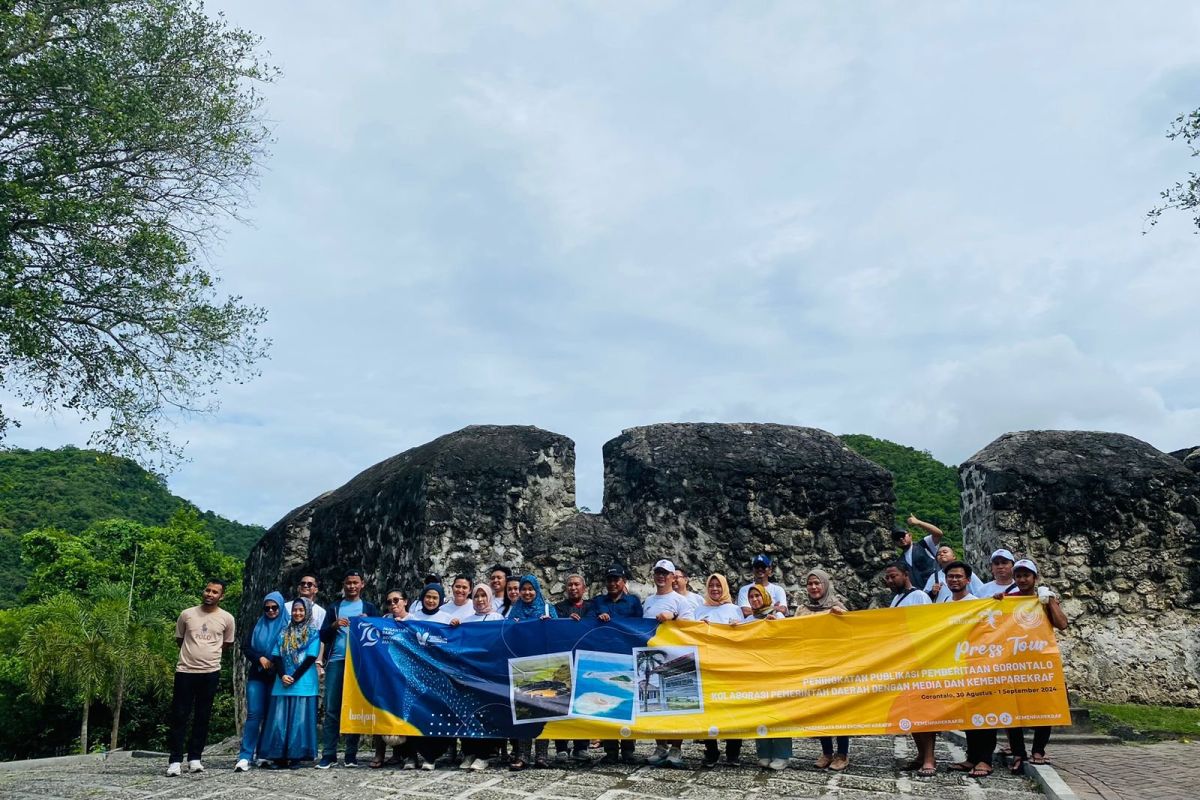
(334, 671)
(774, 748)
(258, 700)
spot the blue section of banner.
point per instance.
(453, 681)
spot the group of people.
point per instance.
(294, 645)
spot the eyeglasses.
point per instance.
(271, 607)
(392, 600)
(308, 583)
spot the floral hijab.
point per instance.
(293, 643)
(534, 610)
(726, 597)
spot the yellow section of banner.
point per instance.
(987, 663)
(360, 716)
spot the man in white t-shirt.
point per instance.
(935, 586)
(680, 583)
(498, 577)
(897, 579)
(665, 605)
(957, 576)
(763, 568)
(1002, 574)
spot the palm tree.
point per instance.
(74, 643)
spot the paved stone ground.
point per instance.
(874, 774)
(1161, 771)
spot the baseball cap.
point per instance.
(1002, 553)
(616, 571)
(761, 560)
(1025, 563)
(664, 564)
(353, 573)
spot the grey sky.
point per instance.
(918, 221)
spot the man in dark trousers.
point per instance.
(616, 603)
(203, 633)
(335, 636)
(575, 607)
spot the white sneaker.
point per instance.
(261, 762)
(657, 757)
(242, 766)
(467, 763)
(195, 766)
(778, 763)
(764, 762)
(479, 764)
(410, 763)
(429, 765)
(675, 757)
(173, 769)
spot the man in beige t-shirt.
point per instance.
(202, 632)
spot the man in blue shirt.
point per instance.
(617, 603)
(334, 634)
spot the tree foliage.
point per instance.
(70, 489)
(924, 486)
(128, 130)
(98, 632)
(1184, 195)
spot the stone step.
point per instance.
(1081, 721)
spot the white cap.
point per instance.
(1002, 553)
(664, 564)
(1025, 563)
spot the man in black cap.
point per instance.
(334, 635)
(616, 603)
(921, 556)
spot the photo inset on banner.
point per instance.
(604, 686)
(668, 680)
(539, 687)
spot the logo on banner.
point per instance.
(977, 720)
(1006, 718)
(425, 638)
(369, 636)
(906, 724)
(992, 719)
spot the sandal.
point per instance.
(980, 772)
(961, 766)
(376, 763)
(927, 772)
(1017, 765)
(517, 766)
(1039, 759)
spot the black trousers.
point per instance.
(571, 745)
(192, 698)
(626, 746)
(843, 744)
(981, 744)
(733, 750)
(1016, 740)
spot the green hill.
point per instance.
(924, 486)
(71, 488)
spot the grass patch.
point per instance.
(1155, 721)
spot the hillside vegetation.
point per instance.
(69, 489)
(924, 486)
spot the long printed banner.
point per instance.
(978, 664)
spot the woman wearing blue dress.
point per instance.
(260, 675)
(291, 733)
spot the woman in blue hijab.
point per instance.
(530, 603)
(291, 732)
(260, 674)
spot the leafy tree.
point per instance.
(1185, 194)
(924, 486)
(128, 130)
(69, 489)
